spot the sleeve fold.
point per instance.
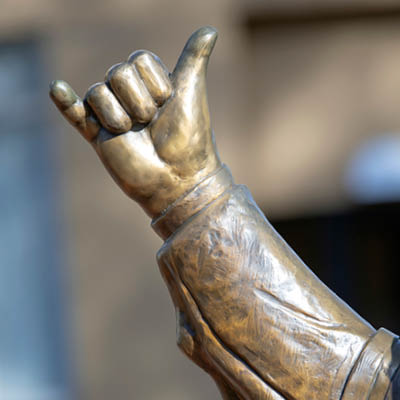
(263, 305)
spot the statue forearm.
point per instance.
(258, 301)
(249, 311)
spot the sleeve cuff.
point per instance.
(372, 375)
(192, 202)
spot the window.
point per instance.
(32, 343)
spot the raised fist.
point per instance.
(151, 129)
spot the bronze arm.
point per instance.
(292, 335)
(249, 312)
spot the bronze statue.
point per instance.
(249, 312)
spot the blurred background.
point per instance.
(305, 101)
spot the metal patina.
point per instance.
(249, 312)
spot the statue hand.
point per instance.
(151, 130)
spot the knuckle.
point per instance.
(147, 113)
(131, 92)
(95, 91)
(140, 54)
(76, 114)
(107, 108)
(118, 73)
(154, 75)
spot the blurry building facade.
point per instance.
(297, 91)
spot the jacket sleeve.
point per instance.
(280, 332)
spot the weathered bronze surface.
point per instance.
(249, 311)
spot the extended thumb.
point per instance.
(195, 55)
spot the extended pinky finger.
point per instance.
(73, 109)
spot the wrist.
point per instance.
(190, 203)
